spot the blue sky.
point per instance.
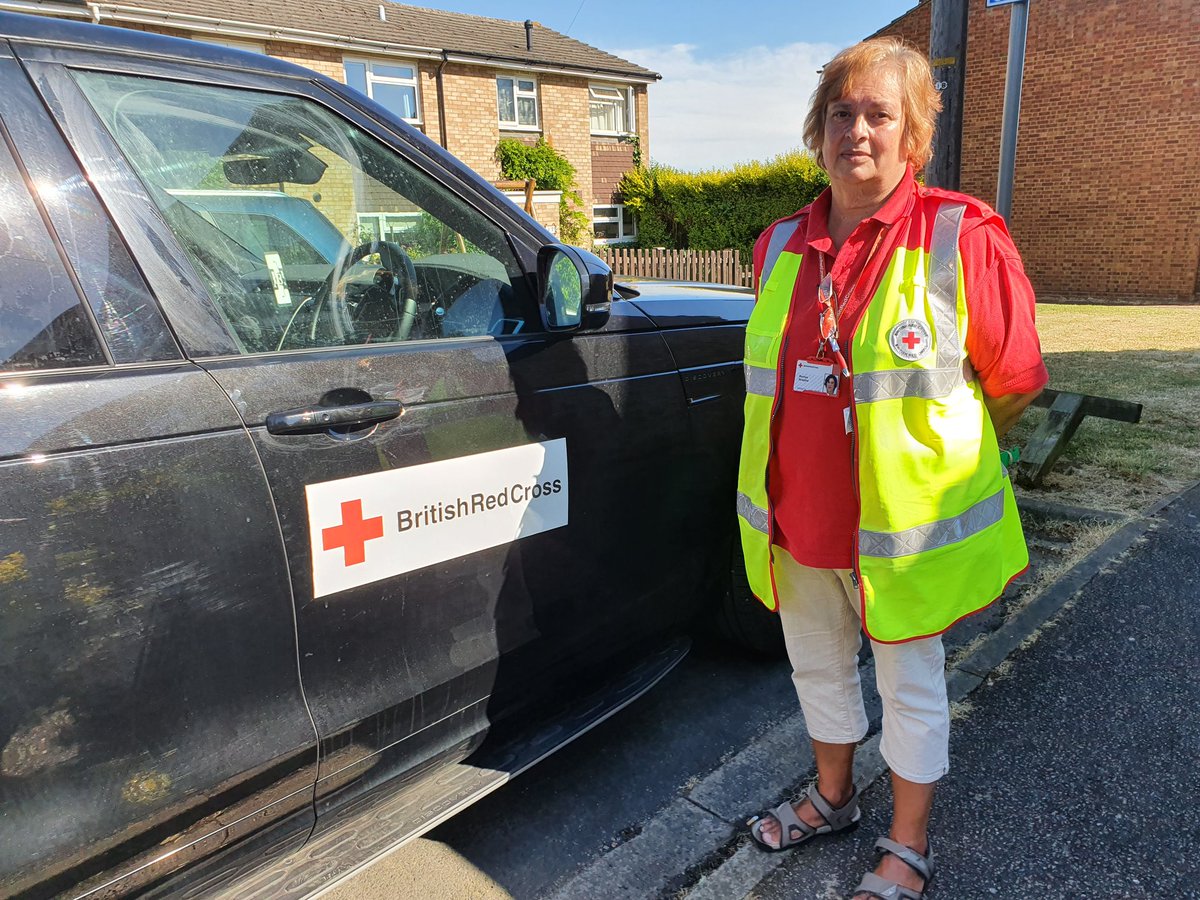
(736, 75)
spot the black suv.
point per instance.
(333, 492)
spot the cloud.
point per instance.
(713, 111)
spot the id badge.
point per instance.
(816, 376)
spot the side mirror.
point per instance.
(574, 288)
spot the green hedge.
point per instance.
(719, 209)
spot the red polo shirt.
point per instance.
(810, 478)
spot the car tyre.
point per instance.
(740, 618)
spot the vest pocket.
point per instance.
(762, 348)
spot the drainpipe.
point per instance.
(529, 35)
(95, 8)
(441, 92)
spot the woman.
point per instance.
(882, 505)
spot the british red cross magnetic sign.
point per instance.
(369, 527)
(910, 340)
(352, 535)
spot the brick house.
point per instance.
(1106, 193)
(465, 81)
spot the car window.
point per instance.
(42, 321)
(307, 231)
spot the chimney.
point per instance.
(528, 35)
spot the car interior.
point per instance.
(278, 203)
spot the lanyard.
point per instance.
(830, 311)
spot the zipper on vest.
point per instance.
(779, 371)
(855, 579)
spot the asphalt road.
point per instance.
(536, 831)
(1074, 773)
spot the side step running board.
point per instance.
(384, 821)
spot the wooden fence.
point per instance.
(713, 266)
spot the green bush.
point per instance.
(552, 172)
(541, 162)
(719, 209)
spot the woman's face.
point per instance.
(864, 133)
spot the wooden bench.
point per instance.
(1066, 411)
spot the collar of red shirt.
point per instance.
(897, 206)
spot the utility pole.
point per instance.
(948, 59)
(1018, 25)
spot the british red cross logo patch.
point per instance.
(910, 340)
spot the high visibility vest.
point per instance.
(938, 532)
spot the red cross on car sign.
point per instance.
(352, 535)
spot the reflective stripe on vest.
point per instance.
(938, 533)
(756, 516)
(779, 237)
(987, 511)
(760, 380)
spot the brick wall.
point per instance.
(641, 103)
(471, 118)
(326, 60)
(566, 123)
(1106, 193)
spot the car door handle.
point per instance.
(322, 418)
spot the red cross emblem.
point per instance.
(910, 339)
(354, 532)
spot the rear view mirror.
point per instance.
(575, 288)
(274, 166)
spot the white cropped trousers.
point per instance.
(821, 626)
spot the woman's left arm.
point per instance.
(1006, 409)
(1002, 341)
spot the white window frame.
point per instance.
(515, 124)
(630, 124)
(372, 78)
(377, 221)
(619, 219)
(234, 43)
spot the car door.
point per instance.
(150, 704)
(397, 663)
(448, 477)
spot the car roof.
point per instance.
(65, 32)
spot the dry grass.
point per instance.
(1084, 539)
(1149, 354)
(1064, 328)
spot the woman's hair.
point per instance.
(920, 101)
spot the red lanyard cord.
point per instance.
(829, 310)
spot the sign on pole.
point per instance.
(948, 59)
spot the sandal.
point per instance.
(793, 831)
(877, 886)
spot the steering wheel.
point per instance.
(385, 310)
